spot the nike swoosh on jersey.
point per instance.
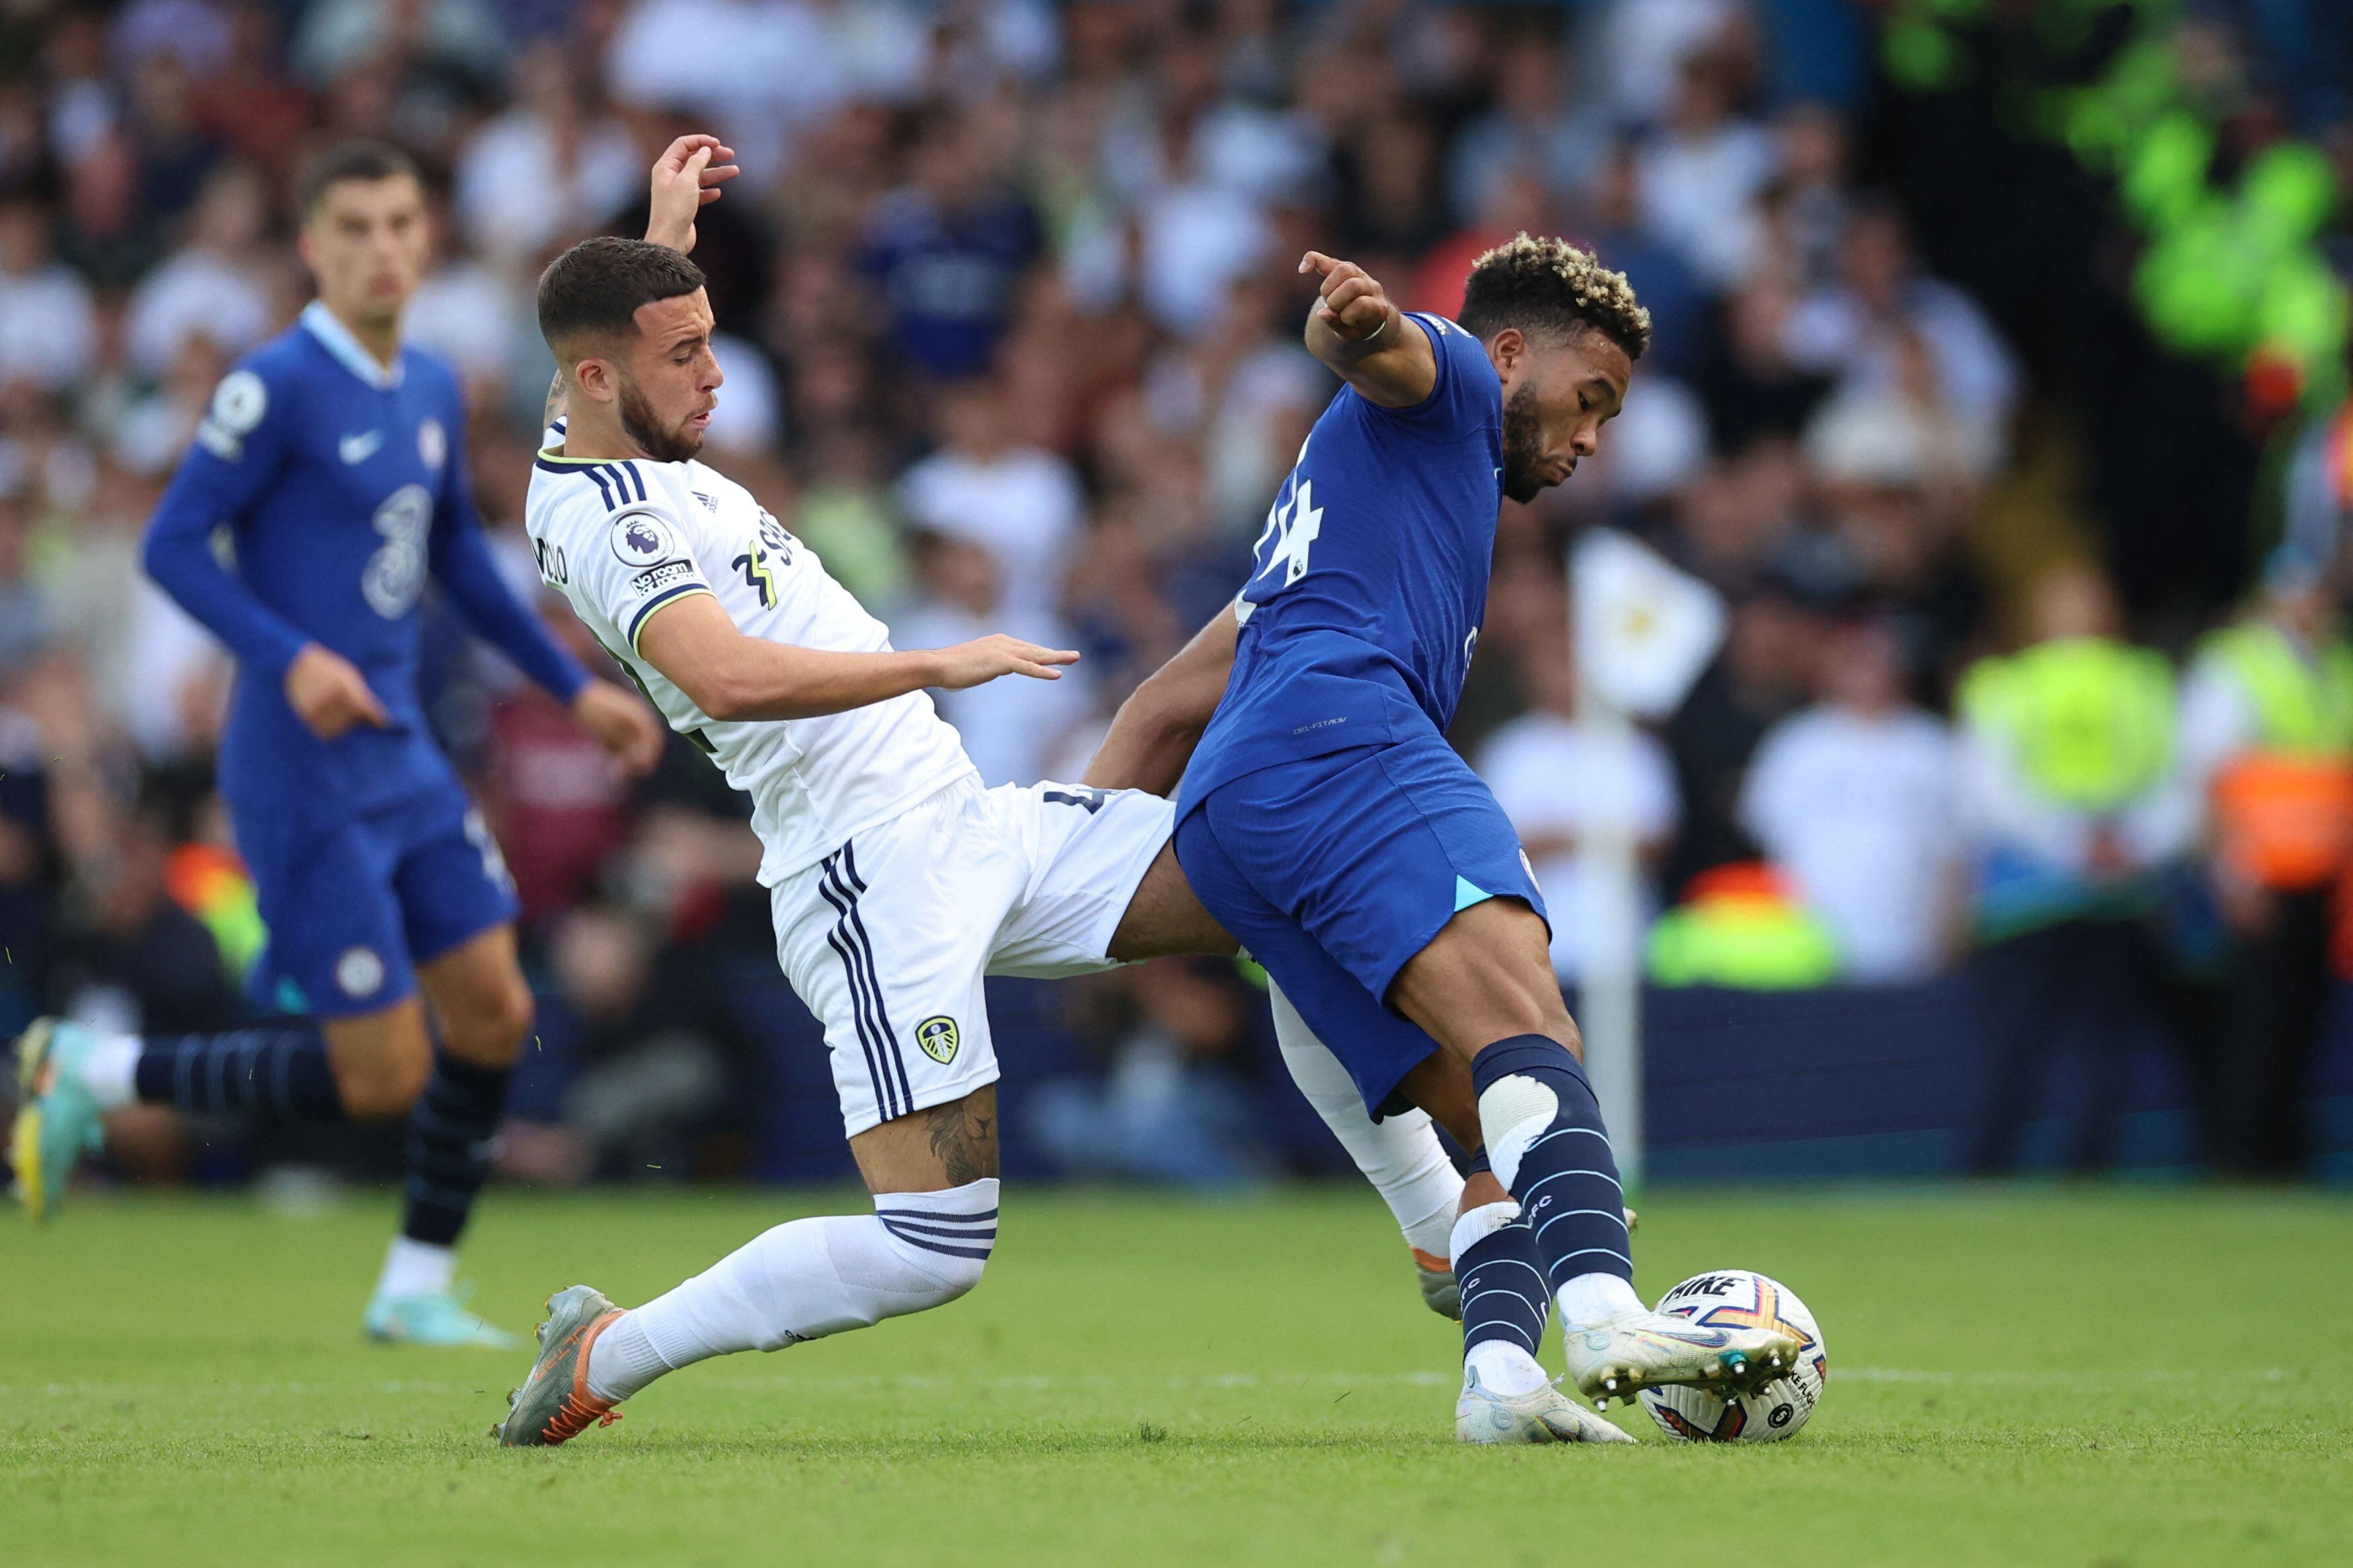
(361, 447)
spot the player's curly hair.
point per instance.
(1550, 286)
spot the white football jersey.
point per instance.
(622, 539)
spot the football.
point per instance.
(1734, 1298)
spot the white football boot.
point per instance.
(1542, 1414)
(1644, 1349)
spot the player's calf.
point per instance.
(807, 1279)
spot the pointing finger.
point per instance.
(1316, 261)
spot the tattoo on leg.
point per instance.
(963, 1136)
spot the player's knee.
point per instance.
(382, 1085)
(942, 1239)
(947, 1279)
(490, 1030)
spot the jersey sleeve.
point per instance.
(632, 563)
(1465, 397)
(462, 564)
(240, 450)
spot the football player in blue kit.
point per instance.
(1326, 822)
(333, 466)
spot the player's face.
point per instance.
(366, 243)
(669, 381)
(1557, 397)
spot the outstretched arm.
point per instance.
(1158, 726)
(732, 676)
(1368, 342)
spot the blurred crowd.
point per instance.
(2024, 672)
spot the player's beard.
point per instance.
(662, 445)
(1523, 445)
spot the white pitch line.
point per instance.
(1102, 1383)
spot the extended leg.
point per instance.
(933, 1176)
(365, 1067)
(1400, 1155)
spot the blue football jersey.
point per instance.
(321, 493)
(1369, 583)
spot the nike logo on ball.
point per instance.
(360, 449)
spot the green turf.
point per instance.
(2043, 1375)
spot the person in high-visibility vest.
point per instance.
(2267, 742)
(2070, 804)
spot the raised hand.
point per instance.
(328, 693)
(985, 658)
(1351, 303)
(1364, 338)
(686, 179)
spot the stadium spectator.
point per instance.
(547, 167)
(2267, 743)
(946, 251)
(49, 328)
(1863, 327)
(1564, 783)
(1852, 798)
(217, 286)
(1010, 729)
(1018, 502)
(1172, 1108)
(2070, 805)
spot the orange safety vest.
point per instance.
(2284, 810)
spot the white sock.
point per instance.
(415, 1268)
(110, 1068)
(1478, 1225)
(804, 1280)
(1591, 1299)
(1504, 1368)
(1400, 1156)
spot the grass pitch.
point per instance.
(2094, 1377)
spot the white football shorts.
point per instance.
(887, 939)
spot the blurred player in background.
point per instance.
(1325, 820)
(333, 464)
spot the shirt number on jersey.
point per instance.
(1294, 523)
(763, 582)
(395, 574)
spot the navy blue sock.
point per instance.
(280, 1066)
(449, 1134)
(1504, 1296)
(1554, 1157)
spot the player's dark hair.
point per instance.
(1550, 287)
(350, 161)
(599, 284)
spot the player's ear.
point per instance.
(595, 377)
(1506, 350)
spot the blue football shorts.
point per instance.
(1333, 870)
(355, 906)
